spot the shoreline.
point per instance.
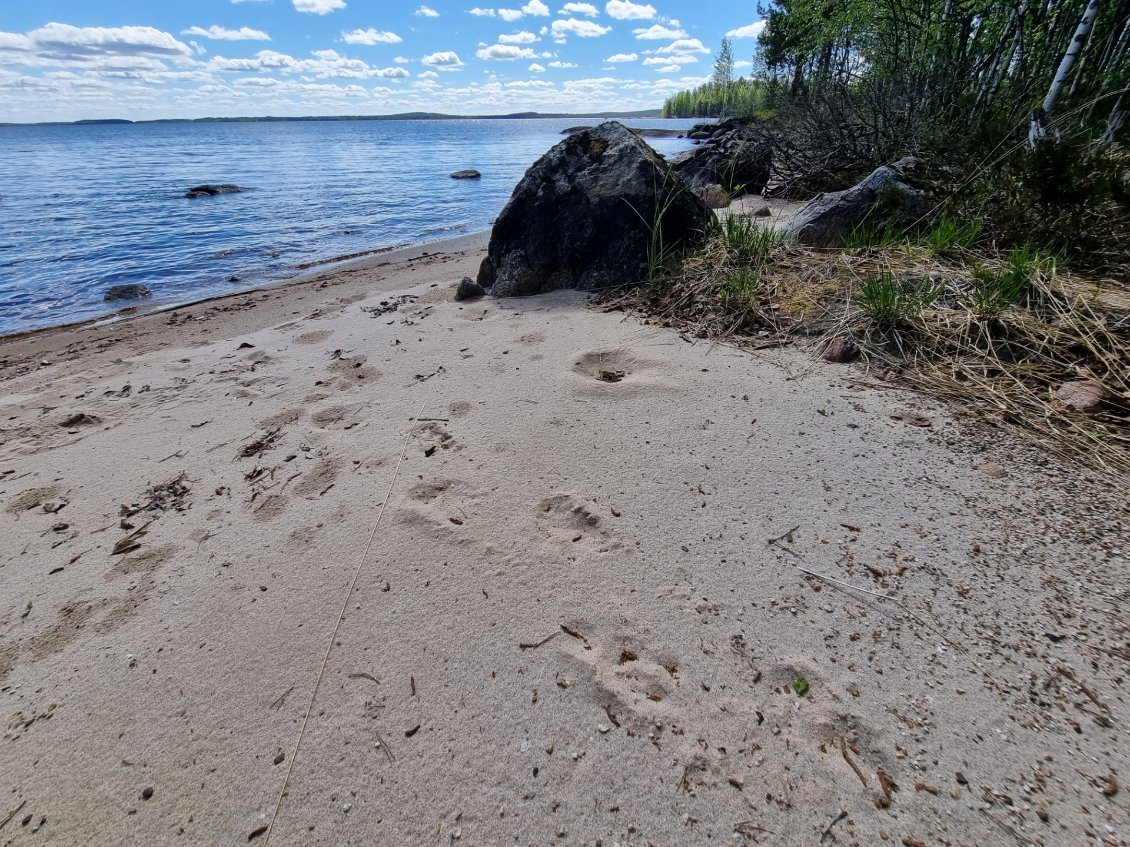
(367, 260)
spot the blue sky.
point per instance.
(74, 59)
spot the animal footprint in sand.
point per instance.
(576, 521)
(351, 372)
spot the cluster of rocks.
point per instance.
(732, 159)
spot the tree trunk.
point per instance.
(1035, 128)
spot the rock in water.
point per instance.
(582, 217)
(468, 289)
(212, 190)
(467, 174)
(133, 291)
(884, 197)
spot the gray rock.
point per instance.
(762, 212)
(469, 289)
(582, 217)
(714, 196)
(470, 173)
(133, 291)
(212, 190)
(884, 197)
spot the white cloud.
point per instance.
(445, 60)
(623, 10)
(402, 60)
(752, 30)
(370, 37)
(537, 69)
(658, 32)
(483, 13)
(536, 8)
(579, 9)
(559, 64)
(505, 53)
(70, 43)
(426, 12)
(622, 57)
(219, 33)
(684, 45)
(579, 28)
(518, 38)
(666, 61)
(428, 75)
(318, 7)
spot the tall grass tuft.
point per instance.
(890, 302)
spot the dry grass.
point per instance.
(1005, 368)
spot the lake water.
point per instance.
(86, 207)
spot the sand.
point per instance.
(556, 614)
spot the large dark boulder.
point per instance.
(212, 190)
(736, 158)
(886, 197)
(582, 217)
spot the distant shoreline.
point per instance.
(405, 116)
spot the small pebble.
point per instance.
(147, 792)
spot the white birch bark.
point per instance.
(1035, 124)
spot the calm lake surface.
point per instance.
(86, 207)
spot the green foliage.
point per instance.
(741, 286)
(994, 291)
(948, 235)
(742, 98)
(800, 686)
(873, 233)
(750, 242)
(891, 302)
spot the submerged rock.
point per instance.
(884, 197)
(212, 190)
(583, 214)
(470, 173)
(133, 291)
(469, 289)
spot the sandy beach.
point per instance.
(345, 562)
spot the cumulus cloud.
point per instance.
(752, 30)
(445, 60)
(620, 58)
(659, 32)
(318, 7)
(666, 61)
(574, 26)
(66, 43)
(518, 38)
(684, 45)
(219, 33)
(505, 53)
(560, 64)
(579, 9)
(623, 10)
(537, 69)
(325, 64)
(370, 37)
(483, 13)
(426, 12)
